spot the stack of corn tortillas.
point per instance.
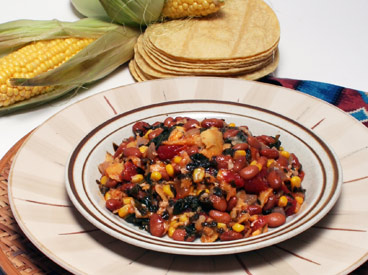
(241, 40)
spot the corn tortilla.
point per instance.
(242, 28)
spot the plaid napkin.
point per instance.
(351, 101)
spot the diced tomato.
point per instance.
(165, 152)
(294, 161)
(259, 223)
(232, 177)
(257, 184)
(129, 171)
(290, 209)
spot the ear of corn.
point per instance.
(66, 57)
(190, 8)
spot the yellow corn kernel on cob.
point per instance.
(32, 60)
(190, 8)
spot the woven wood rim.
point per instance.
(17, 254)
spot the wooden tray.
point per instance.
(17, 254)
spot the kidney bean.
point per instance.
(191, 123)
(132, 151)
(219, 216)
(218, 203)
(230, 133)
(180, 119)
(271, 202)
(111, 183)
(274, 180)
(232, 203)
(249, 172)
(157, 225)
(262, 161)
(129, 171)
(113, 204)
(223, 161)
(275, 219)
(169, 122)
(254, 209)
(266, 139)
(253, 141)
(241, 146)
(140, 127)
(270, 153)
(212, 122)
(179, 234)
(230, 235)
(155, 133)
(239, 164)
(190, 238)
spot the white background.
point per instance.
(321, 40)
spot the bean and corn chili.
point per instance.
(207, 179)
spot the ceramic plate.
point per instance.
(336, 244)
(322, 181)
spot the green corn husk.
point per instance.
(113, 47)
(133, 12)
(90, 8)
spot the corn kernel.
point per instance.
(143, 149)
(198, 174)
(137, 178)
(124, 211)
(299, 199)
(239, 153)
(167, 191)
(177, 159)
(107, 196)
(238, 227)
(295, 182)
(205, 190)
(171, 231)
(147, 133)
(282, 201)
(221, 225)
(285, 154)
(127, 200)
(104, 180)
(257, 232)
(183, 218)
(231, 125)
(170, 170)
(269, 162)
(254, 162)
(156, 176)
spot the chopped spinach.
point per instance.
(161, 137)
(242, 136)
(228, 151)
(198, 160)
(142, 223)
(187, 203)
(277, 142)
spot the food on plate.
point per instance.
(42, 60)
(208, 180)
(240, 40)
